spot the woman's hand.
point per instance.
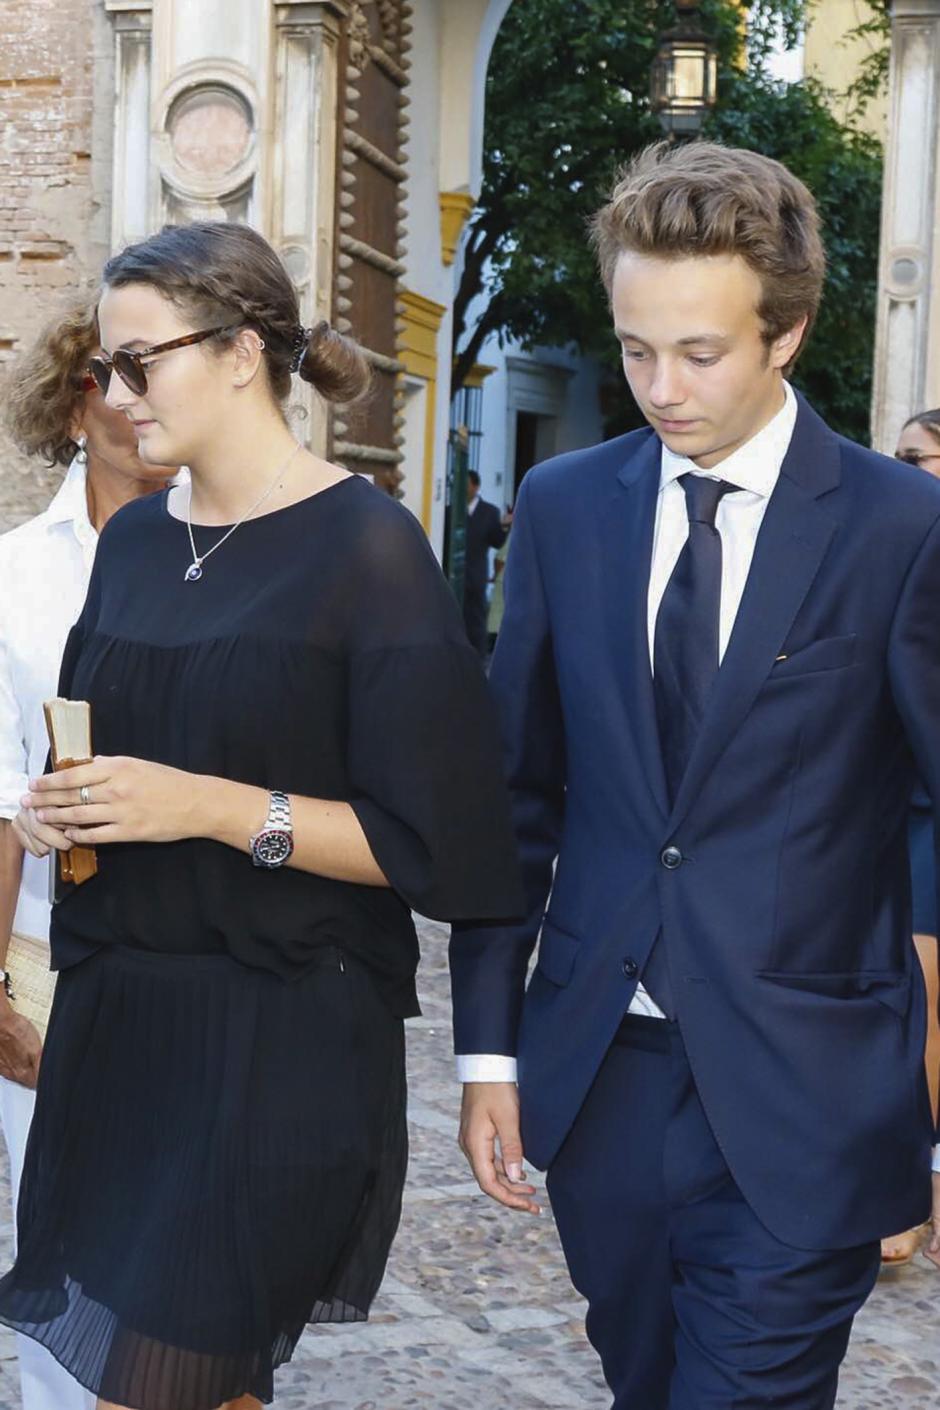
(127, 800)
(36, 837)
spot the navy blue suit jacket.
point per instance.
(788, 922)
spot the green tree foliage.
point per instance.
(567, 104)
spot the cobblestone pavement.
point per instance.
(477, 1311)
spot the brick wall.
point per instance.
(49, 211)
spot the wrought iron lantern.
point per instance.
(684, 73)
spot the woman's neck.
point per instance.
(230, 476)
(107, 490)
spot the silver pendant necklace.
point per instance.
(194, 571)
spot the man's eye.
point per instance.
(703, 361)
(634, 354)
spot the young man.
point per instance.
(718, 670)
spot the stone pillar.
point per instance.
(907, 340)
(301, 217)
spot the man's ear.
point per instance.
(785, 348)
(246, 353)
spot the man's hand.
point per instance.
(932, 1249)
(489, 1118)
(20, 1046)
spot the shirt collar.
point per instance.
(755, 466)
(70, 504)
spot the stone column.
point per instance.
(907, 340)
(302, 188)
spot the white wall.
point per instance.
(579, 416)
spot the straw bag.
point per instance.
(32, 980)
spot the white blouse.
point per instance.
(45, 565)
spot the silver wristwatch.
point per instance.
(274, 843)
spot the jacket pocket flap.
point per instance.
(557, 953)
(826, 655)
(889, 986)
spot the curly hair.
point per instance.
(701, 198)
(221, 273)
(44, 387)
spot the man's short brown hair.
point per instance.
(700, 198)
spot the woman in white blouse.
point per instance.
(54, 411)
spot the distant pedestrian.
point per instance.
(919, 444)
(485, 530)
(494, 620)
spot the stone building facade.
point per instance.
(51, 231)
(309, 119)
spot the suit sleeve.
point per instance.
(497, 534)
(914, 669)
(489, 962)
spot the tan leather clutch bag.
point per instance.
(31, 979)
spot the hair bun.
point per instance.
(333, 364)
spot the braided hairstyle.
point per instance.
(220, 273)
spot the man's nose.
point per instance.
(666, 386)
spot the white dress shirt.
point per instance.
(45, 565)
(754, 468)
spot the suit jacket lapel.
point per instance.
(791, 545)
(626, 548)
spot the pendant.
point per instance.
(193, 572)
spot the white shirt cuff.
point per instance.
(936, 1160)
(486, 1067)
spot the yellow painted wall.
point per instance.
(832, 59)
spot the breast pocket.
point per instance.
(832, 653)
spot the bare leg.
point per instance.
(902, 1247)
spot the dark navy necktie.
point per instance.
(685, 663)
(685, 643)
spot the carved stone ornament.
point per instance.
(360, 37)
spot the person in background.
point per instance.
(485, 530)
(494, 620)
(919, 444)
(56, 413)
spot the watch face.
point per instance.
(272, 848)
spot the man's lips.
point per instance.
(139, 425)
(669, 425)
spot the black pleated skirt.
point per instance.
(217, 1159)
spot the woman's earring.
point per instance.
(81, 455)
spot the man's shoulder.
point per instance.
(593, 467)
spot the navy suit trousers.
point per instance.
(693, 1303)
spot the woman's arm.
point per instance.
(133, 800)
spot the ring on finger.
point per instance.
(84, 794)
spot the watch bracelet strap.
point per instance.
(279, 812)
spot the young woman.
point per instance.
(294, 748)
(55, 412)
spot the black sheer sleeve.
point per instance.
(423, 754)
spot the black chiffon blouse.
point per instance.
(321, 653)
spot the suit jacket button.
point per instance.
(630, 968)
(671, 858)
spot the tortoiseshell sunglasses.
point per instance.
(129, 366)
